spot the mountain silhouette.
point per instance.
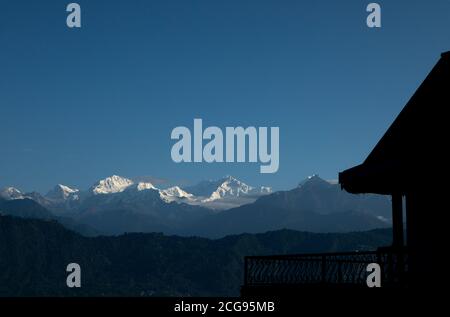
(315, 205)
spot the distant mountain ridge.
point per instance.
(315, 205)
(116, 205)
(29, 209)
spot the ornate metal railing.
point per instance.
(348, 268)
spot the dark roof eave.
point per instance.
(376, 179)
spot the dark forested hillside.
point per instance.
(34, 255)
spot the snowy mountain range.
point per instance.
(224, 193)
(115, 205)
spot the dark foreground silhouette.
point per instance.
(34, 255)
(407, 164)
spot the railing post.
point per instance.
(397, 220)
(323, 270)
(382, 266)
(339, 273)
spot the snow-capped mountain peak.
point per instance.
(112, 184)
(232, 187)
(10, 193)
(144, 186)
(62, 192)
(266, 190)
(67, 189)
(174, 193)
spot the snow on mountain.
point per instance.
(110, 185)
(232, 187)
(175, 193)
(145, 186)
(265, 190)
(61, 193)
(11, 193)
(221, 194)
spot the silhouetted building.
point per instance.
(409, 163)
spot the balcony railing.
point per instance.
(328, 269)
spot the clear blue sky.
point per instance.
(77, 105)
